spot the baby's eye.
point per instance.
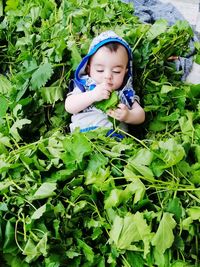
(99, 70)
(117, 72)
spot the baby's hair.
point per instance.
(113, 46)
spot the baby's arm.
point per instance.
(75, 103)
(135, 115)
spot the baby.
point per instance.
(106, 68)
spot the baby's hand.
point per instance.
(101, 91)
(120, 113)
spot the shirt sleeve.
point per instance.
(75, 91)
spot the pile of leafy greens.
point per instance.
(87, 199)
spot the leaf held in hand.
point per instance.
(107, 104)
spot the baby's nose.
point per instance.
(108, 75)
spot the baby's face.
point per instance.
(109, 67)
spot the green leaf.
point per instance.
(87, 250)
(9, 245)
(5, 86)
(4, 140)
(45, 190)
(52, 94)
(11, 5)
(18, 124)
(159, 27)
(77, 147)
(197, 59)
(164, 236)
(39, 212)
(118, 196)
(110, 103)
(41, 75)
(172, 152)
(134, 259)
(3, 107)
(167, 88)
(174, 206)
(75, 55)
(33, 250)
(194, 213)
(129, 230)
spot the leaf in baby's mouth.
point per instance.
(110, 103)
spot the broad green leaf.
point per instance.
(41, 75)
(134, 259)
(75, 55)
(18, 125)
(141, 170)
(3, 207)
(194, 212)
(96, 161)
(156, 125)
(11, 5)
(164, 236)
(53, 260)
(45, 190)
(9, 244)
(77, 147)
(99, 178)
(39, 212)
(137, 188)
(174, 116)
(110, 103)
(1, 8)
(5, 140)
(167, 88)
(114, 199)
(118, 196)
(186, 124)
(5, 86)
(3, 106)
(52, 94)
(194, 90)
(15, 261)
(186, 224)
(62, 175)
(129, 230)
(159, 27)
(181, 263)
(5, 184)
(161, 259)
(174, 206)
(143, 156)
(33, 250)
(172, 152)
(80, 205)
(197, 59)
(119, 148)
(87, 250)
